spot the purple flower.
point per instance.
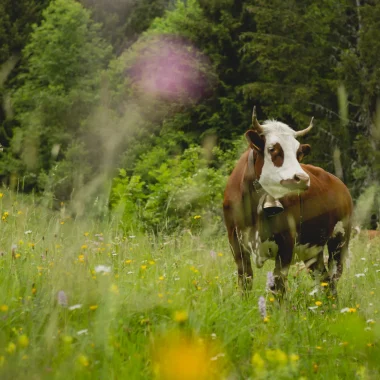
(270, 280)
(262, 307)
(62, 298)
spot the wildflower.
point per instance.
(34, 290)
(143, 267)
(11, 348)
(258, 363)
(270, 280)
(128, 261)
(271, 299)
(262, 307)
(180, 316)
(73, 307)
(324, 284)
(197, 217)
(102, 269)
(4, 308)
(314, 291)
(81, 332)
(161, 278)
(318, 303)
(277, 356)
(81, 258)
(220, 254)
(62, 298)
(27, 232)
(86, 234)
(93, 307)
(359, 275)
(266, 319)
(371, 321)
(23, 341)
(84, 246)
(83, 360)
(1, 195)
(19, 212)
(114, 289)
(152, 262)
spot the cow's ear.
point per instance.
(305, 149)
(255, 140)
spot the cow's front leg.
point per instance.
(242, 260)
(283, 260)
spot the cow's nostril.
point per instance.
(296, 178)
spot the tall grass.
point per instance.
(168, 307)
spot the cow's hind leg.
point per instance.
(338, 248)
(317, 268)
(242, 259)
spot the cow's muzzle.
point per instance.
(300, 181)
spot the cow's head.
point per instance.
(278, 156)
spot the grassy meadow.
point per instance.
(81, 299)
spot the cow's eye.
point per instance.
(271, 150)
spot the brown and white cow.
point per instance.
(317, 208)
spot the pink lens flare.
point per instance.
(171, 68)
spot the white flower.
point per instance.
(130, 272)
(28, 232)
(102, 268)
(132, 236)
(363, 258)
(313, 292)
(359, 275)
(345, 310)
(312, 308)
(213, 336)
(73, 307)
(370, 320)
(81, 332)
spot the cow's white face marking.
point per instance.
(276, 132)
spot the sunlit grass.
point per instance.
(82, 299)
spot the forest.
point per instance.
(120, 123)
(142, 106)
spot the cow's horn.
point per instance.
(255, 124)
(306, 130)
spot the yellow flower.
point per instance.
(93, 307)
(1, 195)
(294, 357)
(352, 310)
(318, 303)
(152, 262)
(4, 308)
(34, 290)
(324, 284)
(6, 213)
(277, 356)
(81, 258)
(11, 348)
(266, 319)
(271, 299)
(197, 217)
(143, 267)
(114, 289)
(19, 212)
(258, 363)
(83, 360)
(17, 255)
(180, 316)
(318, 348)
(128, 261)
(86, 234)
(220, 254)
(161, 278)
(23, 341)
(84, 246)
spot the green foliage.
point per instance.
(60, 86)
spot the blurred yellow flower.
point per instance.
(83, 360)
(181, 357)
(258, 363)
(277, 356)
(143, 267)
(11, 348)
(86, 234)
(23, 341)
(318, 303)
(266, 319)
(324, 284)
(128, 261)
(271, 299)
(220, 254)
(161, 278)
(114, 289)
(197, 217)
(19, 212)
(180, 316)
(81, 258)
(34, 290)
(1, 195)
(84, 246)
(4, 308)
(152, 262)
(93, 307)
